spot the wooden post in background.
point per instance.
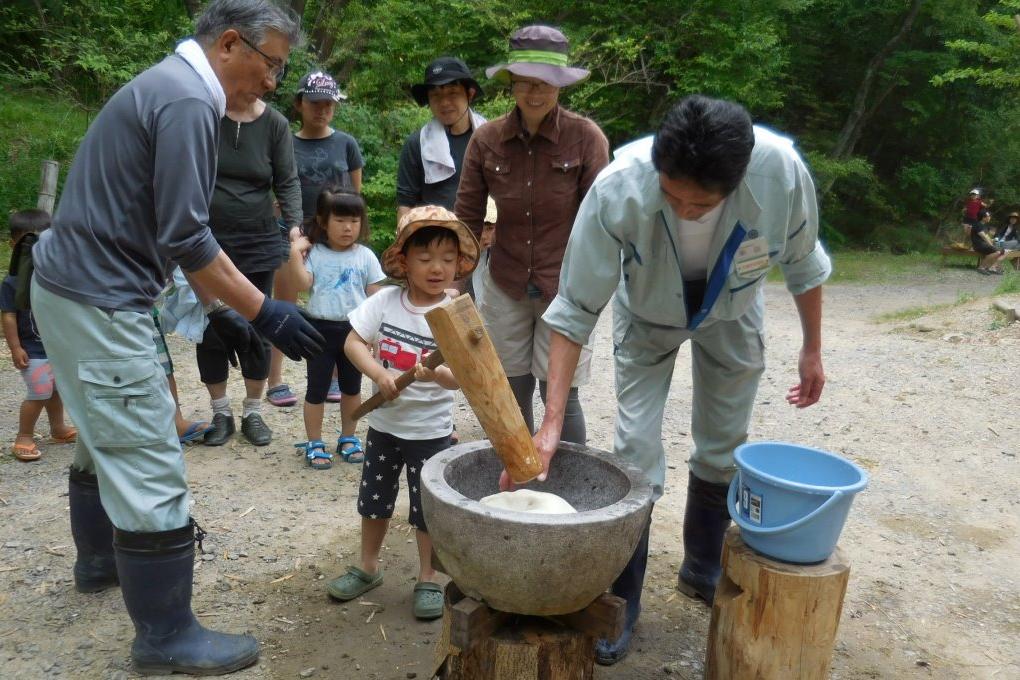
(468, 351)
(48, 186)
(772, 620)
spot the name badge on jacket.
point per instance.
(752, 257)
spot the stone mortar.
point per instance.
(534, 563)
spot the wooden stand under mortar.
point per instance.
(481, 643)
(772, 620)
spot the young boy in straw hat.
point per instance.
(537, 163)
(432, 249)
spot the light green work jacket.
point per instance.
(624, 241)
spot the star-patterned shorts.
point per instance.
(385, 455)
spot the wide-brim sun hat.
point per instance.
(539, 52)
(443, 71)
(431, 216)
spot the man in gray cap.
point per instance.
(537, 162)
(135, 204)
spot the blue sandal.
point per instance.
(316, 455)
(355, 454)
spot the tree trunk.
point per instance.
(42, 13)
(322, 37)
(192, 7)
(772, 620)
(861, 111)
(298, 6)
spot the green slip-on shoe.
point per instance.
(352, 584)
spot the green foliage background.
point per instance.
(938, 116)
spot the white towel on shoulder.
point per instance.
(435, 149)
(192, 53)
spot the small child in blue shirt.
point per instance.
(29, 356)
(340, 273)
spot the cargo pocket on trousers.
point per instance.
(124, 402)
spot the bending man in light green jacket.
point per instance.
(680, 231)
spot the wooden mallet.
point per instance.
(468, 351)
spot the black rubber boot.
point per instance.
(155, 575)
(95, 568)
(628, 586)
(705, 522)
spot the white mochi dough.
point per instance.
(526, 500)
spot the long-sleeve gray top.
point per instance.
(136, 199)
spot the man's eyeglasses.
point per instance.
(277, 70)
(531, 86)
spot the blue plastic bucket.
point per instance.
(791, 502)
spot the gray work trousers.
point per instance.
(728, 361)
(115, 391)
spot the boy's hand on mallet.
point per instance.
(387, 386)
(423, 373)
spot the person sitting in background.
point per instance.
(1009, 235)
(983, 244)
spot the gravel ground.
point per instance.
(927, 406)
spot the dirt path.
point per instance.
(928, 407)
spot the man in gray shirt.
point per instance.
(135, 204)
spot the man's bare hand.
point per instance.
(812, 380)
(547, 441)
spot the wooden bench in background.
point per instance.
(964, 250)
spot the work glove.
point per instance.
(210, 336)
(233, 330)
(284, 325)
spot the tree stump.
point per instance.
(480, 643)
(773, 620)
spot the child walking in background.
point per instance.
(341, 273)
(28, 354)
(432, 249)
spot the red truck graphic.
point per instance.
(392, 354)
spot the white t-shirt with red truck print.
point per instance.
(401, 337)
